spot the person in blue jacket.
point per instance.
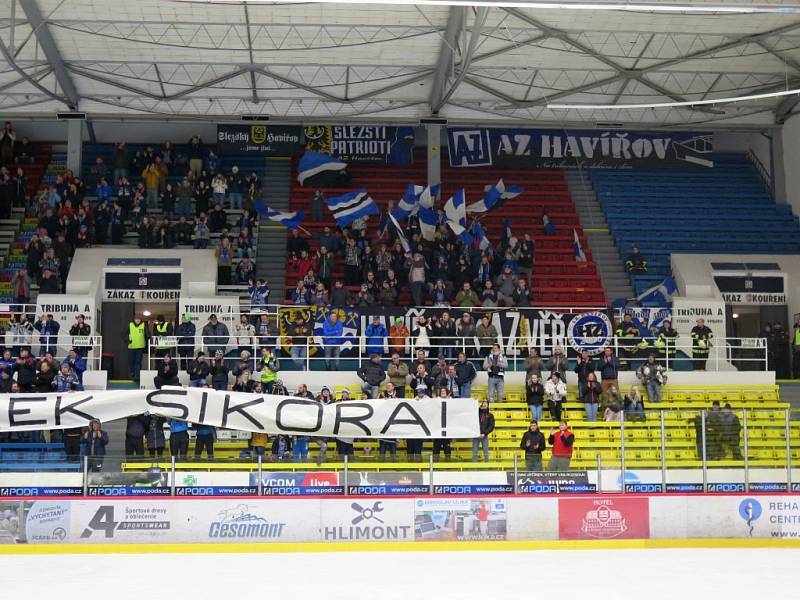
(48, 328)
(376, 334)
(332, 332)
(205, 439)
(77, 363)
(178, 438)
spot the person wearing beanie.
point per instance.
(185, 333)
(198, 370)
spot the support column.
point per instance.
(434, 134)
(74, 145)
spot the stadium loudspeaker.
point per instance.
(433, 121)
(255, 117)
(67, 116)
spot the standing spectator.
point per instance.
(137, 342)
(95, 441)
(666, 343)
(796, 350)
(21, 288)
(178, 439)
(219, 372)
(245, 334)
(48, 329)
(534, 396)
(198, 371)
(533, 443)
(7, 139)
(609, 367)
(152, 178)
(352, 263)
(215, 335)
(25, 152)
(135, 430)
(161, 330)
(417, 278)
(653, 377)
(204, 440)
(583, 367)
(156, 441)
(444, 335)
(556, 392)
(590, 397)
(185, 333)
(195, 153)
(527, 249)
(236, 187)
(465, 375)
(317, 201)
(202, 233)
(398, 375)
(185, 194)
(332, 332)
(533, 364)
(562, 441)
(398, 334)
(81, 329)
(496, 365)
(422, 335)
(486, 427)
(730, 432)
(558, 363)
(487, 335)
(120, 161)
(219, 185)
(259, 294)
(628, 338)
(372, 375)
(701, 344)
(224, 254)
(467, 297)
(375, 334)
(505, 284)
(465, 331)
(522, 296)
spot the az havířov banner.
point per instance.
(363, 143)
(265, 140)
(593, 148)
(431, 418)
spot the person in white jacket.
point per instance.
(496, 364)
(556, 392)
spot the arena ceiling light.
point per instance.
(687, 7)
(673, 104)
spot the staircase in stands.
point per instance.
(557, 280)
(610, 266)
(271, 251)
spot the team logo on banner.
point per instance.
(591, 332)
(587, 518)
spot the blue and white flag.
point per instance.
(428, 196)
(480, 237)
(351, 206)
(290, 219)
(427, 222)
(455, 211)
(659, 294)
(400, 234)
(408, 203)
(493, 194)
(580, 255)
(314, 163)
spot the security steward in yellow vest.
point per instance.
(269, 370)
(162, 329)
(137, 343)
(701, 345)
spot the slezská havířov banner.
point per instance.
(363, 143)
(596, 148)
(262, 139)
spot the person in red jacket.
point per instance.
(561, 440)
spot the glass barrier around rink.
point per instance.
(351, 351)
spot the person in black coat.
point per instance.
(44, 381)
(486, 424)
(135, 430)
(533, 443)
(534, 396)
(166, 372)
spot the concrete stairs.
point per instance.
(604, 251)
(271, 250)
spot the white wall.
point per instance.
(744, 141)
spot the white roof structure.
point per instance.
(324, 61)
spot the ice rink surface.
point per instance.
(597, 574)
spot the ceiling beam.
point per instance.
(444, 64)
(786, 60)
(784, 110)
(32, 80)
(253, 87)
(39, 25)
(463, 68)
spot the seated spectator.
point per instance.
(166, 372)
(217, 219)
(634, 405)
(372, 375)
(488, 295)
(202, 234)
(301, 295)
(522, 296)
(67, 380)
(244, 272)
(467, 297)
(183, 232)
(636, 263)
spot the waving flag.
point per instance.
(408, 203)
(400, 234)
(580, 256)
(456, 214)
(428, 196)
(659, 294)
(351, 206)
(290, 219)
(480, 237)
(314, 163)
(427, 222)
(493, 194)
